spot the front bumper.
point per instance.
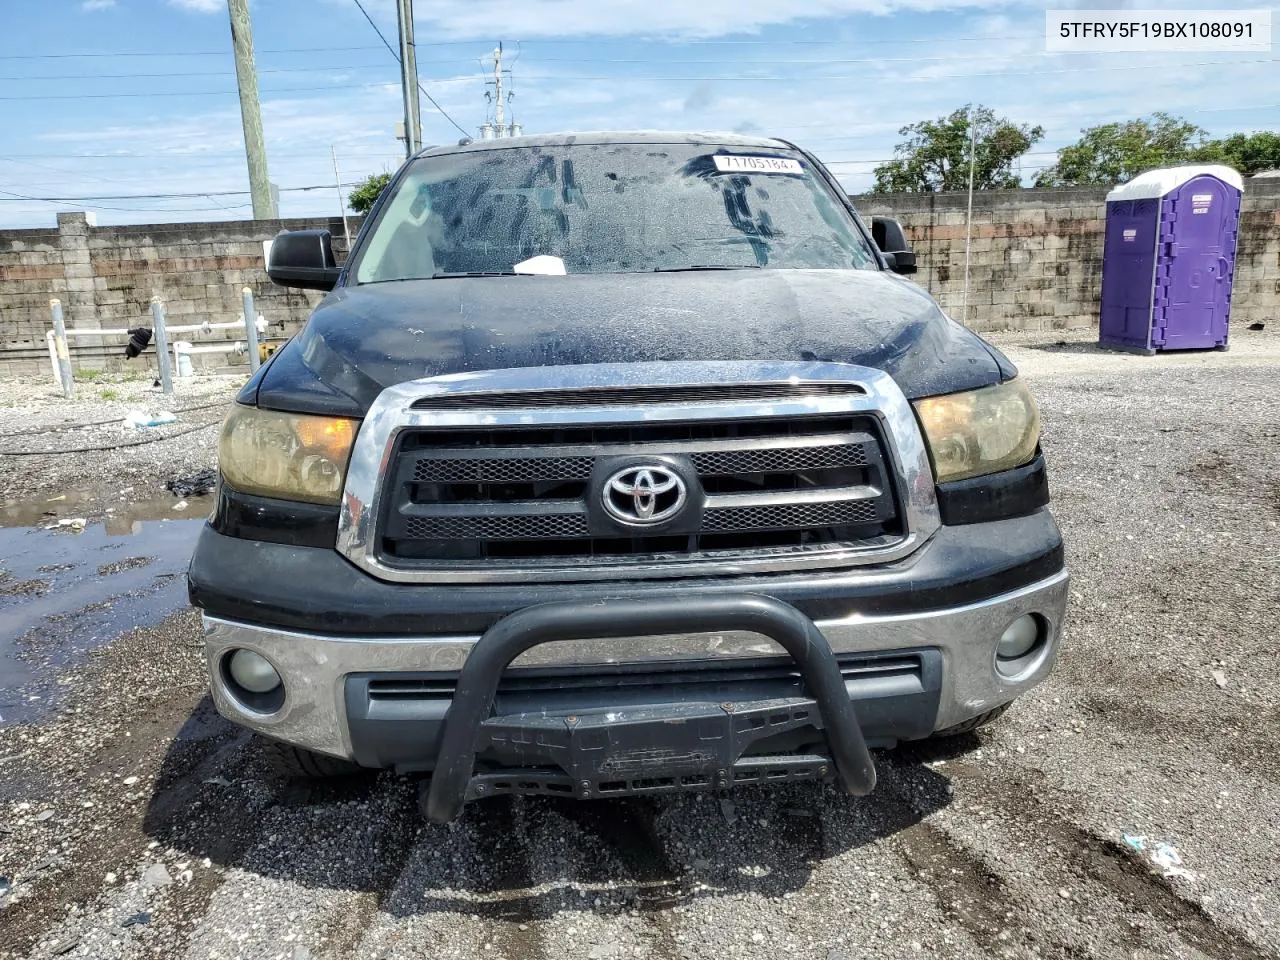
(323, 710)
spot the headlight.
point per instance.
(287, 455)
(980, 431)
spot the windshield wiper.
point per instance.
(475, 273)
(708, 266)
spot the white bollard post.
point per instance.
(53, 358)
(162, 345)
(60, 347)
(250, 328)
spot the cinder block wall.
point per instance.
(106, 277)
(1036, 255)
(1035, 265)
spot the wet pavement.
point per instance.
(66, 588)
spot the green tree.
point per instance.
(1249, 153)
(935, 154)
(363, 197)
(1116, 152)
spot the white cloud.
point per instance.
(90, 5)
(709, 18)
(200, 6)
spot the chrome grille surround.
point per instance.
(394, 412)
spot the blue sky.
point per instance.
(131, 97)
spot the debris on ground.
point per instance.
(1257, 326)
(195, 485)
(1164, 856)
(1219, 678)
(728, 810)
(156, 875)
(139, 419)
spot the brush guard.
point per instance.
(645, 750)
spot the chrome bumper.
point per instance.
(314, 666)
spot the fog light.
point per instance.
(253, 672)
(1018, 638)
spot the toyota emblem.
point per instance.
(642, 496)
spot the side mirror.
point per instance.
(303, 258)
(892, 241)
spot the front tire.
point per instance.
(973, 723)
(299, 764)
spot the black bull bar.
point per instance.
(468, 728)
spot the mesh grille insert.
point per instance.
(784, 515)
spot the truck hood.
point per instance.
(365, 338)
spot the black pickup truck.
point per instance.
(622, 463)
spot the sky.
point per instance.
(122, 100)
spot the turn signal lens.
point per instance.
(286, 455)
(980, 431)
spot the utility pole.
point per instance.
(250, 111)
(500, 127)
(409, 79)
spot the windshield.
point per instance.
(609, 208)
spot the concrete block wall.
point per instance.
(106, 277)
(1035, 260)
(1035, 264)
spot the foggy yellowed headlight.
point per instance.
(980, 431)
(290, 456)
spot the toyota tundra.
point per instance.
(622, 463)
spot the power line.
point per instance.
(563, 41)
(739, 78)
(219, 93)
(199, 73)
(421, 88)
(379, 153)
(735, 61)
(206, 194)
(171, 53)
(773, 78)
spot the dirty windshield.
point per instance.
(611, 208)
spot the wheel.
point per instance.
(973, 723)
(303, 764)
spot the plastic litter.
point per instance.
(138, 919)
(1219, 678)
(138, 419)
(728, 810)
(75, 523)
(1163, 856)
(195, 485)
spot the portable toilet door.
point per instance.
(1175, 294)
(1202, 223)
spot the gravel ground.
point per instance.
(134, 822)
(35, 417)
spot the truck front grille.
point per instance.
(517, 497)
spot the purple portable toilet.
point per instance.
(1169, 258)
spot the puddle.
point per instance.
(126, 511)
(63, 593)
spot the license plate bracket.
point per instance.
(665, 741)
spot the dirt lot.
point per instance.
(135, 822)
